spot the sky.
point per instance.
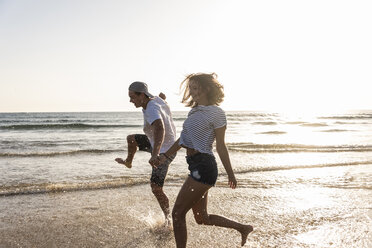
(75, 55)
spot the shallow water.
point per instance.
(290, 214)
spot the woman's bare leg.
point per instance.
(203, 218)
(190, 193)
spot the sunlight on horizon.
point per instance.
(272, 56)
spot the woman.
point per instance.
(205, 123)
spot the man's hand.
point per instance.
(154, 161)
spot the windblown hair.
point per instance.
(206, 82)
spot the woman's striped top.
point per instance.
(198, 129)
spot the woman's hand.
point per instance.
(232, 182)
(162, 158)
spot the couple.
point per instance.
(206, 122)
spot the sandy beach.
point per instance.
(97, 218)
(130, 217)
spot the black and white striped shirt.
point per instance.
(198, 129)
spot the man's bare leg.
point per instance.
(132, 148)
(163, 201)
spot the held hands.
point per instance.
(162, 158)
(154, 161)
(157, 160)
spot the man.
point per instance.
(136, 140)
(160, 134)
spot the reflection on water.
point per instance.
(303, 181)
(316, 207)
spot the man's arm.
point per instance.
(162, 95)
(159, 134)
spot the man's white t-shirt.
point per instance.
(156, 109)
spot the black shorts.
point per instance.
(143, 142)
(158, 174)
(203, 168)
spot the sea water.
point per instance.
(42, 152)
(284, 159)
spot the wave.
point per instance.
(314, 125)
(295, 122)
(61, 153)
(250, 114)
(266, 123)
(349, 117)
(274, 148)
(62, 126)
(273, 132)
(36, 120)
(277, 168)
(336, 130)
(129, 181)
(42, 188)
(233, 147)
(364, 184)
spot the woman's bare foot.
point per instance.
(247, 230)
(124, 162)
(168, 223)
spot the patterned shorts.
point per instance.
(158, 174)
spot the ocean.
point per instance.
(305, 162)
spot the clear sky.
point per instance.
(76, 55)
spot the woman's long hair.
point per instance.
(206, 82)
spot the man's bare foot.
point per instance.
(247, 230)
(124, 162)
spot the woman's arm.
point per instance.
(172, 150)
(224, 155)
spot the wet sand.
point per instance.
(130, 217)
